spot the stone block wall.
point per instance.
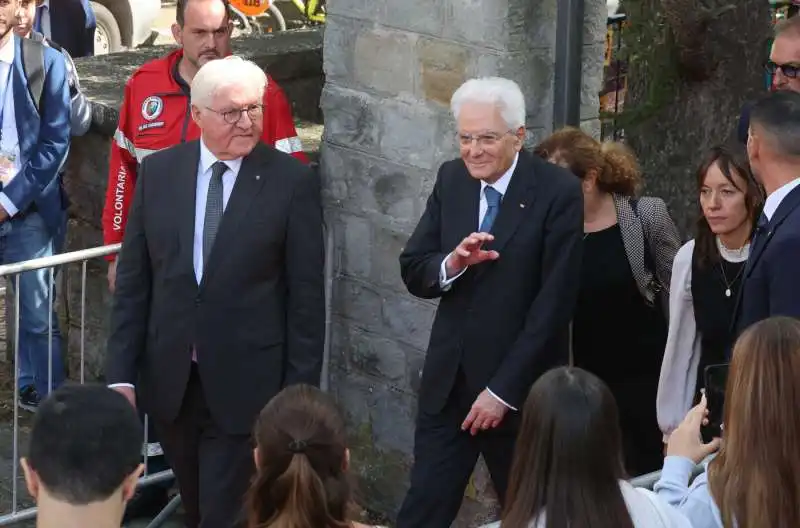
(293, 60)
(391, 68)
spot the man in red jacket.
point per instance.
(156, 114)
(155, 111)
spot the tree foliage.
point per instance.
(692, 65)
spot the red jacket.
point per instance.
(155, 115)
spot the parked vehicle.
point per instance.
(123, 24)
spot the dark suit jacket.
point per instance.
(771, 280)
(43, 138)
(72, 26)
(257, 319)
(504, 322)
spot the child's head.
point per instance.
(301, 459)
(85, 447)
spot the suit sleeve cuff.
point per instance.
(8, 205)
(498, 398)
(129, 385)
(444, 281)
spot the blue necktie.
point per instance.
(493, 198)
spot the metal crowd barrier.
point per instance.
(11, 273)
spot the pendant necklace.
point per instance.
(728, 285)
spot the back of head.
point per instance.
(775, 121)
(568, 456)
(614, 164)
(755, 479)
(302, 462)
(85, 442)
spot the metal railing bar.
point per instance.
(58, 260)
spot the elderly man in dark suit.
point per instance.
(771, 282)
(499, 245)
(219, 301)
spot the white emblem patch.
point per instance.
(152, 107)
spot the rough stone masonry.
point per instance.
(391, 68)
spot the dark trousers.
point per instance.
(213, 468)
(445, 456)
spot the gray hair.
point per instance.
(505, 94)
(222, 73)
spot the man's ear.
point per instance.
(177, 33)
(31, 478)
(130, 483)
(346, 460)
(256, 457)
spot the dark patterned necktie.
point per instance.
(214, 209)
(493, 197)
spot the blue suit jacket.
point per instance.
(43, 140)
(72, 26)
(771, 279)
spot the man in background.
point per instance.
(783, 67)
(771, 284)
(69, 23)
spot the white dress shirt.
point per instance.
(207, 159)
(10, 139)
(774, 200)
(501, 186)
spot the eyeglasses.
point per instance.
(789, 70)
(254, 112)
(484, 140)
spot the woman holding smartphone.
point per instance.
(707, 275)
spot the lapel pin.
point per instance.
(258, 176)
(522, 206)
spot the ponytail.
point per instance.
(297, 498)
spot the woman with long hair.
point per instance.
(754, 480)
(302, 464)
(567, 469)
(706, 279)
(619, 327)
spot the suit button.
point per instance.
(198, 300)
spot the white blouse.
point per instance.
(676, 385)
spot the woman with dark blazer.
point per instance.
(620, 323)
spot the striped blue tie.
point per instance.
(493, 198)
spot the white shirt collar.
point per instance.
(46, 3)
(207, 159)
(7, 50)
(774, 200)
(501, 185)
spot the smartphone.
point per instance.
(716, 378)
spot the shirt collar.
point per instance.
(46, 4)
(774, 200)
(501, 185)
(7, 50)
(207, 159)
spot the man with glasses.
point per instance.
(782, 68)
(220, 300)
(156, 114)
(155, 111)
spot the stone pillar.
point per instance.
(391, 68)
